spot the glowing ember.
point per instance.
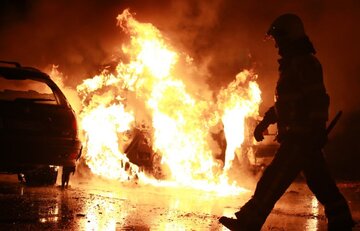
(172, 125)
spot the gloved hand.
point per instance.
(269, 118)
(259, 130)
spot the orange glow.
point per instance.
(71, 95)
(146, 93)
(238, 101)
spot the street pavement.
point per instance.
(95, 204)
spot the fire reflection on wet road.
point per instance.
(98, 205)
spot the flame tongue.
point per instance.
(239, 100)
(147, 90)
(180, 132)
(102, 126)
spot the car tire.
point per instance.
(41, 176)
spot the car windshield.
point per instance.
(26, 90)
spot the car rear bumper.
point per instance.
(38, 150)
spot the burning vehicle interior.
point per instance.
(250, 157)
(142, 118)
(38, 128)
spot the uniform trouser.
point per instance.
(295, 156)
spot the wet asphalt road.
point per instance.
(99, 205)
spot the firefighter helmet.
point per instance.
(287, 27)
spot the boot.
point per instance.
(339, 216)
(232, 224)
(249, 218)
(240, 224)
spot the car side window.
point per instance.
(26, 90)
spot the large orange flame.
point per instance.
(146, 92)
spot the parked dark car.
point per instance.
(38, 127)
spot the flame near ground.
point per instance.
(149, 96)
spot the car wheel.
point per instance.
(41, 176)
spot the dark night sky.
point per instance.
(81, 35)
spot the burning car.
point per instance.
(195, 133)
(251, 156)
(38, 127)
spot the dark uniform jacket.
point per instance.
(301, 101)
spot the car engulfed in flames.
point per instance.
(154, 119)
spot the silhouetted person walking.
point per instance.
(300, 112)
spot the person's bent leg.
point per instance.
(275, 180)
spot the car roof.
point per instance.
(13, 70)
